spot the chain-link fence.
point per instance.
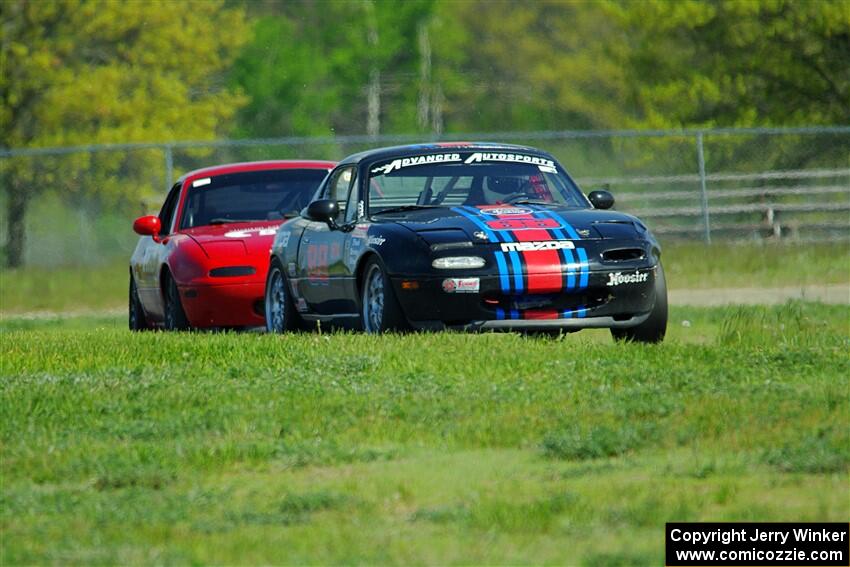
(76, 204)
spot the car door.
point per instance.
(324, 275)
(154, 255)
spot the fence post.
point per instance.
(703, 189)
(169, 166)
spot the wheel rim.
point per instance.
(275, 303)
(373, 301)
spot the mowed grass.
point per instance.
(687, 265)
(427, 448)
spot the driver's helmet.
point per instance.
(497, 188)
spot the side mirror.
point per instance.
(323, 210)
(147, 226)
(601, 199)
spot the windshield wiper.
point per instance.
(405, 208)
(524, 201)
(222, 220)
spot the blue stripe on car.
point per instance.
(474, 216)
(571, 274)
(582, 255)
(504, 280)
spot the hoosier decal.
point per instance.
(621, 278)
(545, 245)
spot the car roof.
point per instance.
(435, 147)
(258, 166)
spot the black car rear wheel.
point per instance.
(655, 327)
(175, 317)
(280, 310)
(137, 319)
(380, 311)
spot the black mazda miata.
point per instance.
(469, 236)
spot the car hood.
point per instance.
(235, 239)
(489, 222)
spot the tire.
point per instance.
(655, 327)
(175, 317)
(137, 319)
(281, 316)
(379, 308)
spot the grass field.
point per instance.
(688, 266)
(437, 448)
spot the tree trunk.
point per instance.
(16, 211)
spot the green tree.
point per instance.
(308, 67)
(97, 71)
(735, 62)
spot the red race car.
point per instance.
(202, 261)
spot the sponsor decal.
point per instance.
(201, 182)
(583, 232)
(461, 285)
(248, 232)
(621, 278)
(499, 211)
(515, 224)
(376, 240)
(537, 245)
(547, 169)
(480, 235)
(415, 160)
(513, 158)
(283, 238)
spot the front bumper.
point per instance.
(605, 301)
(224, 305)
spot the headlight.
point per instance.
(458, 262)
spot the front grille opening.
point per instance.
(558, 301)
(623, 255)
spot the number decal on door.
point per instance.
(317, 263)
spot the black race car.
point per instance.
(468, 236)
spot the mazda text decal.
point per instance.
(621, 278)
(545, 245)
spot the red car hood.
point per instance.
(235, 239)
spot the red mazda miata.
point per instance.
(202, 262)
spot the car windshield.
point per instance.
(249, 196)
(469, 178)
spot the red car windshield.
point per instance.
(249, 196)
(459, 182)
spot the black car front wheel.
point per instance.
(280, 309)
(380, 311)
(655, 327)
(175, 317)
